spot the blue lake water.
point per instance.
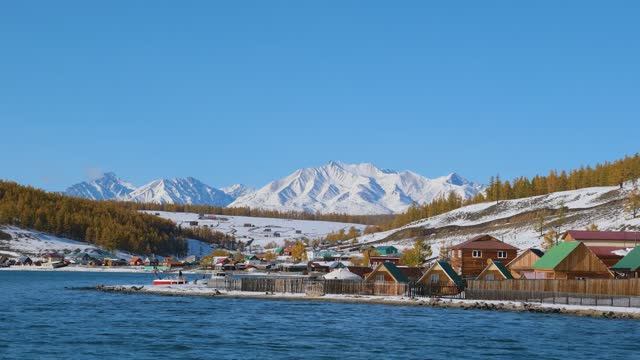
(41, 318)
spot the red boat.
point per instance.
(169, 282)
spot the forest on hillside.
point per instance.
(106, 224)
(606, 174)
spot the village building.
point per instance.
(495, 270)
(377, 260)
(441, 274)
(342, 274)
(389, 272)
(629, 265)
(24, 260)
(387, 250)
(470, 257)
(607, 245)
(570, 260)
(136, 261)
(522, 266)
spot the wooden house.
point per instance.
(522, 266)
(388, 272)
(136, 261)
(470, 257)
(629, 265)
(377, 260)
(618, 239)
(495, 270)
(571, 260)
(441, 274)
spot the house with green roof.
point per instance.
(629, 265)
(387, 250)
(495, 270)
(387, 272)
(441, 274)
(570, 260)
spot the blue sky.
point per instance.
(250, 91)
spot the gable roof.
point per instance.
(554, 256)
(448, 270)
(603, 235)
(387, 249)
(539, 253)
(631, 262)
(393, 270)
(484, 242)
(412, 273)
(500, 267)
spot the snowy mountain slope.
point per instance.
(260, 230)
(514, 221)
(107, 187)
(237, 190)
(179, 191)
(355, 189)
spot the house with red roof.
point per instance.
(608, 246)
(471, 257)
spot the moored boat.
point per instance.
(178, 281)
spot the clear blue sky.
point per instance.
(248, 91)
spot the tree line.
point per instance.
(606, 174)
(107, 224)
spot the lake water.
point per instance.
(42, 319)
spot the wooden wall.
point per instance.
(523, 264)
(468, 266)
(623, 287)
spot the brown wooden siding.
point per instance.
(468, 266)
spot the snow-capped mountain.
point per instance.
(107, 187)
(179, 191)
(354, 189)
(237, 190)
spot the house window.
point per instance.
(379, 277)
(435, 278)
(489, 277)
(476, 253)
(502, 254)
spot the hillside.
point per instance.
(517, 221)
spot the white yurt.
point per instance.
(341, 274)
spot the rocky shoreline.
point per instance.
(607, 312)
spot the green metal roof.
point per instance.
(554, 256)
(453, 275)
(631, 261)
(386, 250)
(503, 269)
(395, 272)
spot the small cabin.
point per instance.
(385, 273)
(441, 274)
(570, 260)
(377, 260)
(522, 266)
(495, 270)
(136, 261)
(470, 257)
(629, 265)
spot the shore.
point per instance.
(203, 291)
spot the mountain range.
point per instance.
(335, 187)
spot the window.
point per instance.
(489, 277)
(379, 277)
(476, 253)
(502, 254)
(435, 278)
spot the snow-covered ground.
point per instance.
(598, 205)
(262, 230)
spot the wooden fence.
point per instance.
(610, 287)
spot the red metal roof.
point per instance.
(484, 242)
(606, 251)
(581, 235)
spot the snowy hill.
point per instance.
(515, 221)
(179, 191)
(107, 187)
(260, 230)
(354, 189)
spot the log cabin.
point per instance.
(522, 266)
(441, 274)
(495, 270)
(571, 260)
(389, 272)
(470, 257)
